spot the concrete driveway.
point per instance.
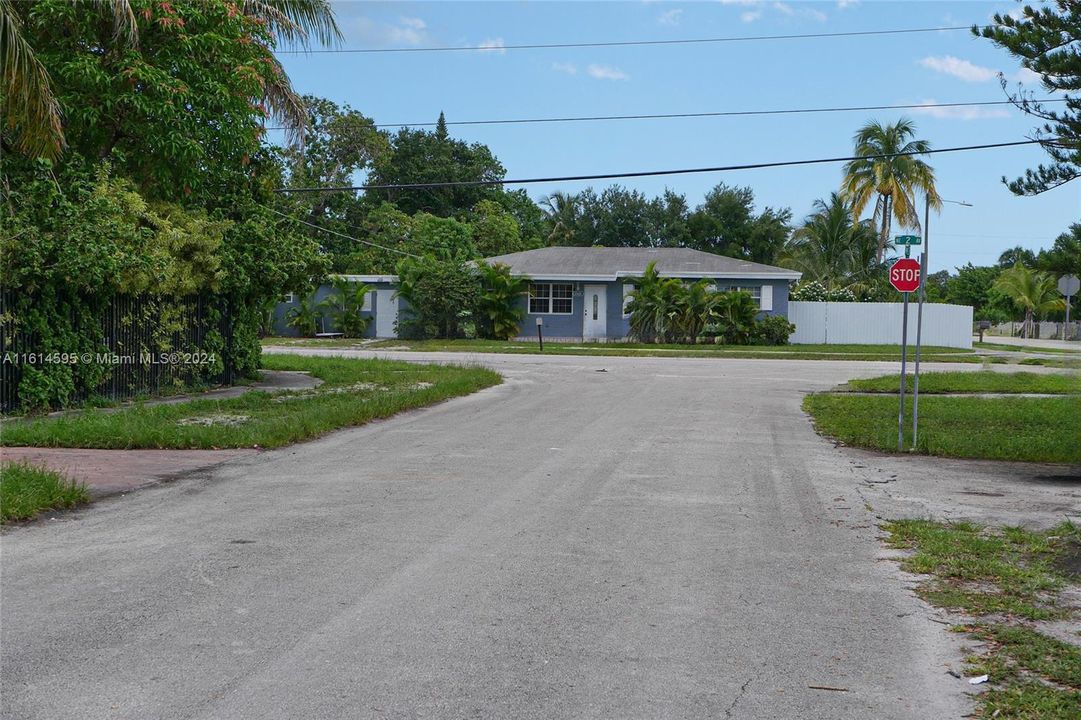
(596, 538)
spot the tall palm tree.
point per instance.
(561, 210)
(829, 247)
(33, 113)
(1034, 292)
(888, 170)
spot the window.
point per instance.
(628, 288)
(288, 298)
(550, 298)
(367, 304)
(754, 292)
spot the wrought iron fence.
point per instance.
(149, 347)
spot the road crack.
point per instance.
(739, 696)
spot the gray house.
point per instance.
(580, 293)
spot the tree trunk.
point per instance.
(884, 232)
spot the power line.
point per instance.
(719, 113)
(333, 232)
(625, 43)
(652, 173)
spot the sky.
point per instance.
(501, 83)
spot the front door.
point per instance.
(595, 306)
(386, 314)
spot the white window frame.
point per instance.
(548, 300)
(755, 293)
(289, 298)
(628, 288)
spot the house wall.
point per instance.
(841, 323)
(280, 323)
(569, 327)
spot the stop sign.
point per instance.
(905, 275)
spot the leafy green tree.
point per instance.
(1032, 291)
(725, 224)
(441, 294)
(443, 238)
(500, 311)
(893, 181)
(419, 156)
(390, 233)
(669, 217)
(154, 101)
(1064, 257)
(561, 212)
(1047, 41)
(975, 286)
(529, 216)
(831, 247)
(344, 305)
(651, 307)
(495, 231)
(1016, 255)
(339, 142)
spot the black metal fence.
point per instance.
(151, 347)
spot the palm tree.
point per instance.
(32, 111)
(498, 302)
(1034, 292)
(830, 246)
(888, 171)
(561, 210)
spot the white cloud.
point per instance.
(1025, 75)
(750, 16)
(960, 113)
(493, 45)
(408, 31)
(844, 4)
(740, 2)
(786, 9)
(671, 17)
(606, 72)
(959, 68)
(568, 68)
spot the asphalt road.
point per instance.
(596, 538)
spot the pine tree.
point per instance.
(1047, 40)
(441, 127)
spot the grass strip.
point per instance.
(1025, 429)
(353, 392)
(26, 491)
(1014, 574)
(975, 382)
(1023, 348)
(618, 349)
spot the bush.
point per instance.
(442, 295)
(814, 291)
(772, 330)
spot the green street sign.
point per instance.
(907, 240)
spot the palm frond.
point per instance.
(31, 109)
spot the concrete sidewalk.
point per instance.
(107, 472)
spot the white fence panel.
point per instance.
(841, 323)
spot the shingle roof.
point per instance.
(605, 263)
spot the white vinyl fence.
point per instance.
(844, 323)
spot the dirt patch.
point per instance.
(1069, 561)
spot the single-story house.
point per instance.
(580, 293)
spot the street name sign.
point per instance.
(905, 275)
(907, 240)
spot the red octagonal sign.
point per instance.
(905, 275)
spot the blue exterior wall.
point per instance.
(555, 326)
(281, 312)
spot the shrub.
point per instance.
(304, 318)
(498, 313)
(442, 295)
(344, 306)
(814, 291)
(772, 330)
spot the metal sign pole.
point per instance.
(904, 359)
(919, 321)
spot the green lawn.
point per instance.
(1030, 429)
(1023, 348)
(800, 352)
(354, 392)
(1005, 579)
(975, 382)
(26, 491)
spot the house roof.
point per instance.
(608, 263)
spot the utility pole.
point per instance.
(919, 312)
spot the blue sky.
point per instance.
(805, 73)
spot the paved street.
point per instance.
(595, 538)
